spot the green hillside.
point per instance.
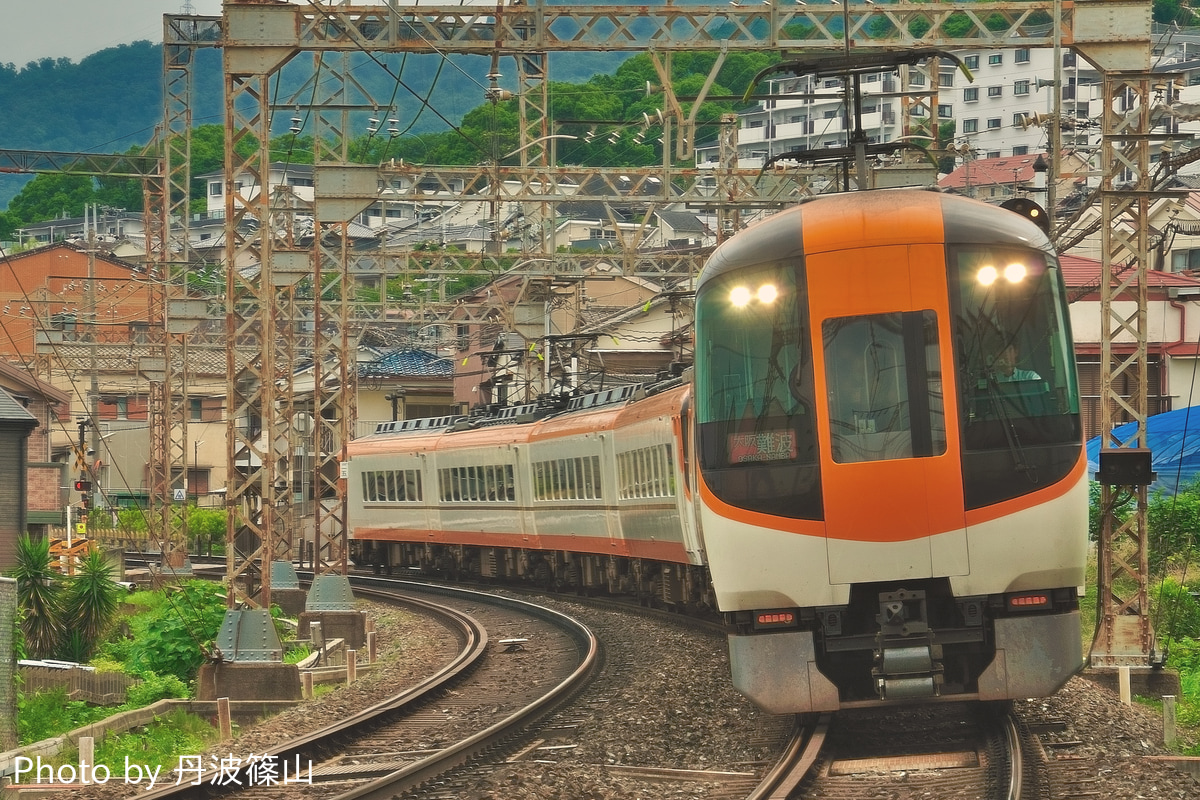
(112, 100)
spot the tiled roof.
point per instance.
(1003, 171)
(405, 363)
(13, 413)
(1079, 273)
(682, 221)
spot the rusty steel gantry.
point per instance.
(259, 40)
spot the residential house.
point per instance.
(111, 226)
(524, 336)
(16, 423)
(47, 323)
(403, 383)
(679, 230)
(994, 180)
(298, 178)
(46, 479)
(1173, 338)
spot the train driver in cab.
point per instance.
(1005, 366)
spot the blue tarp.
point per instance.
(1174, 442)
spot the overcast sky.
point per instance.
(35, 29)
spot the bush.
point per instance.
(1176, 612)
(50, 713)
(1173, 521)
(168, 639)
(153, 688)
(177, 733)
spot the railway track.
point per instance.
(961, 752)
(417, 736)
(936, 751)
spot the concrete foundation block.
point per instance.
(252, 680)
(1144, 681)
(350, 626)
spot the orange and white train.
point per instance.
(874, 470)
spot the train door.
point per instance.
(892, 487)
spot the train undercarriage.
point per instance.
(653, 583)
(905, 643)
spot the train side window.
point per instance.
(883, 377)
(589, 486)
(669, 467)
(366, 486)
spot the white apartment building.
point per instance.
(991, 113)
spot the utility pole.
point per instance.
(93, 359)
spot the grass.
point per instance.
(1184, 657)
(159, 744)
(176, 734)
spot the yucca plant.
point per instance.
(39, 593)
(90, 600)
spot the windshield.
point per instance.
(754, 381)
(885, 386)
(1016, 368)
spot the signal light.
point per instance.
(85, 502)
(83, 486)
(774, 619)
(1029, 601)
(1030, 210)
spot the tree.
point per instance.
(50, 196)
(39, 594)
(1168, 11)
(207, 525)
(89, 603)
(132, 520)
(1173, 521)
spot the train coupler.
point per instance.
(908, 664)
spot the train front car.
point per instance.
(892, 480)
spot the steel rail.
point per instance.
(797, 759)
(1016, 764)
(431, 767)
(475, 641)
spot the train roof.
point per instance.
(874, 218)
(492, 417)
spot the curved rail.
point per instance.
(799, 757)
(428, 768)
(1016, 764)
(475, 641)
